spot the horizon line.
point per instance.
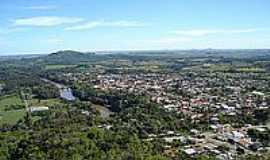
(125, 50)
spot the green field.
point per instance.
(49, 67)
(5, 101)
(48, 102)
(12, 116)
(251, 69)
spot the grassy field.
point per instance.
(48, 102)
(5, 101)
(12, 116)
(49, 67)
(251, 69)
(226, 67)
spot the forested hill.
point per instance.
(70, 53)
(66, 57)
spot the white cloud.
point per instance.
(85, 26)
(41, 7)
(46, 21)
(204, 32)
(95, 24)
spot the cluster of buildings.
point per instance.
(203, 97)
(225, 143)
(189, 93)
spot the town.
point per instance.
(175, 105)
(224, 103)
(134, 80)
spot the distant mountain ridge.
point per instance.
(70, 53)
(66, 57)
(77, 57)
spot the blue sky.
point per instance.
(44, 26)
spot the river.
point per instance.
(65, 92)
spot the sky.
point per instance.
(45, 26)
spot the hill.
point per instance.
(66, 57)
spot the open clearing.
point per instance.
(11, 116)
(48, 67)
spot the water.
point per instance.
(66, 93)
